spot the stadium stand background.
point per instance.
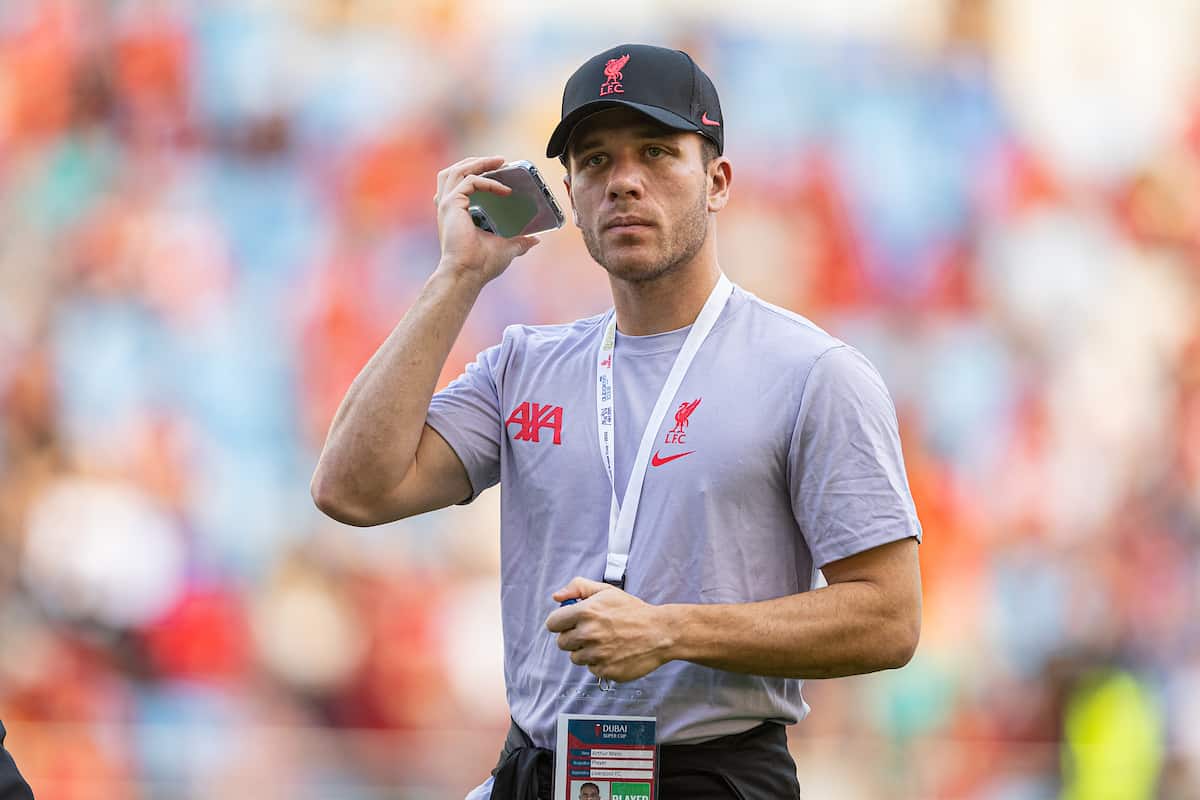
(213, 212)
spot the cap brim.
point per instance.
(562, 133)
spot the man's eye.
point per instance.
(594, 160)
(654, 151)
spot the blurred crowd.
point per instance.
(213, 212)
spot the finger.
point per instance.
(581, 588)
(467, 166)
(567, 641)
(525, 244)
(582, 658)
(474, 183)
(473, 164)
(563, 619)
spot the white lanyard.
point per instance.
(621, 515)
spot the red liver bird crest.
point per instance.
(612, 70)
(681, 416)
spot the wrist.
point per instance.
(674, 619)
(454, 274)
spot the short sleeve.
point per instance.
(846, 470)
(467, 415)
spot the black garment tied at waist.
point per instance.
(754, 765)
(12, 785)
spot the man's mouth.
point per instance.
(627, 224)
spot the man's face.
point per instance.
(640, 193)
(589, 792)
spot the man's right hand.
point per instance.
(381, 462)
(467, 249)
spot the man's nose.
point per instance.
(624, 179)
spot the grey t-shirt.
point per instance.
(792, 461)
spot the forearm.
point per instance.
(845, 629)
(373, 438)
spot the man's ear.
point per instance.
(574, 211)
(720, 176)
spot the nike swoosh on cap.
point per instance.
(704, 118)
(658, 460)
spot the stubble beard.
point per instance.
(684, 242)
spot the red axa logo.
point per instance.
(612, 75)
(532, 417)
(678, 434)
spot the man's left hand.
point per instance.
(611, 632)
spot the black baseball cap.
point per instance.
(665, 85)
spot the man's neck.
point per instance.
(667, 303)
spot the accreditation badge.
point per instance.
(605, 758)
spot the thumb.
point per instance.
(523, 244)
(580, 588)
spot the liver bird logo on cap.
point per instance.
(613, 77)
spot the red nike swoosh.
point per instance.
(704, 118)
(658, 461)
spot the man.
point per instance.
(692, 550)
(589, 791)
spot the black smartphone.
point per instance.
(530, 207)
